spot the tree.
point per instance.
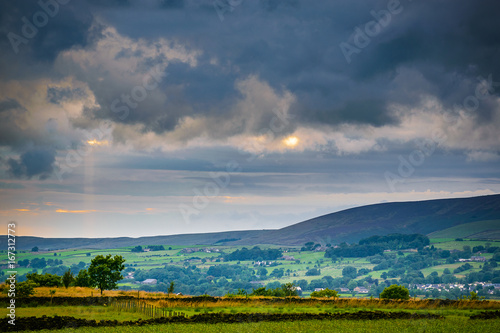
(24, 263)
(313, 272)
(83, 279)
(67, 278)
(349, 271)
(34, 249)
(38, 263)
(44, 280)
(289, 289)
(351, 285)
(105, 271)
(138, 248)
(395, 292)
(277, 273)
(25, 289)
(171, 287)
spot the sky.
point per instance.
(157, 117)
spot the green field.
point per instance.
(455, 325)
(455, 316)
(294, 269)
(468, 230)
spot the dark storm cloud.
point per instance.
(295, 46)
(35, 32)
(34, 162)
(441, 47)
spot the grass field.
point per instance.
(456, 325)
(85, 312)
(467, 230)
(294, 269)
(456, 314)
(233, 305)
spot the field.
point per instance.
(294, 270)
(454, 316)
(467, 230)
(294, 314)
(456, 325)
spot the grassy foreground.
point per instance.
(456, 325)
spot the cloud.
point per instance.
(56, 95)
(223, 79)
(482, 156)
(9, 104)
(28, 48)
(289, 48)
(36, 162)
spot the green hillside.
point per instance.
(477, 230)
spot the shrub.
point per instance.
(395, 292)
(324, 293)
(25, 289)
(313, 272)
(45, 280)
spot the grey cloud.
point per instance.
(295, 46)
(13, 117)
(9, 104)
(34, 162)
(439, 48)
(67, 26)
(57, 95)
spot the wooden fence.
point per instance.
(145, 308)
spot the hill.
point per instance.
(477, 217)
(422, 217)
(476, 230)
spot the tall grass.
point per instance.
(455, 325)
(163, 300)
(91, 292)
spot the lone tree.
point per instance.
(105, 271)
(395, 292)
(171, 287)
(67, 278)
